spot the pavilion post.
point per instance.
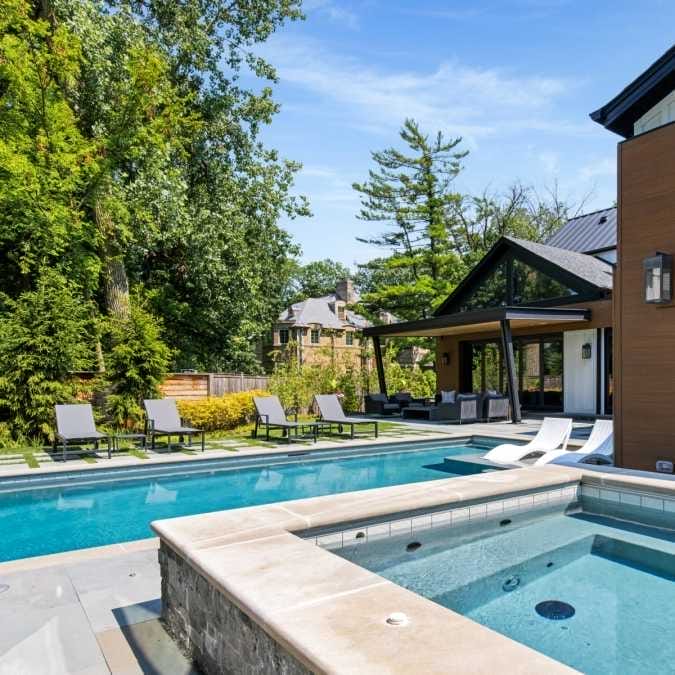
(510, 361)
(379, 364)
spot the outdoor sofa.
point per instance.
(463, 410)
(404, 399)
(379, 404)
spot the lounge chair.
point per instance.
(270, 414)
(330, 412)
(162, 419)
(75, 422)
(598, 448)
(553, 433)
(379, 404)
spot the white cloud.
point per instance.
(333, 11)
(551, 162)
(598, 169)
(464, 100)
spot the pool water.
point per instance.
(616, 580)
(78, 510)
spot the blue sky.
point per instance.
(515, 78)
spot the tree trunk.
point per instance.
(115, 280)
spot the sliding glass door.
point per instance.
(539, 370)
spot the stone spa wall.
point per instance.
(211, 630)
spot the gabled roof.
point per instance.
(643, 93)
(585, 267)
(588, 233)
(590, 277)
(317, 311)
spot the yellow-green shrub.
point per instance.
(220, 412)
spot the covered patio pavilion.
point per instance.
(500, 319)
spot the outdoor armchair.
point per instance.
(270, 414)
(378, 404)
(75, 422)
(493, 405)
(330, 412)
(162, 419)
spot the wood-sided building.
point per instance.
(567, 326)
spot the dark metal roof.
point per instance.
(643, 93)
(438, 325)
(589, 233)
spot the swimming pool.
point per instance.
(74, 510)
(587, 588)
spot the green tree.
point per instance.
(41, 342)
(316, 279)
(413, 194)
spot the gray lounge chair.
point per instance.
(330, 412)
(75, 422)
(271, 415)
(162, 419)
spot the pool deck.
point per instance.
(410, 431)
(96, 610)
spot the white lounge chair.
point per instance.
(599, 447)
(553, 433)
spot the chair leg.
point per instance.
(202, 441)
(109, 450)
(353, 425)
(255, 429)
(65, 442)
(376, 432)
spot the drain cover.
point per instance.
(511, 584)
(413, 546)
(556, 610)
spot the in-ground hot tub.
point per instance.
(591, 585)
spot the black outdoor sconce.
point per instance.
(445, 359)
(586, 350)
(658, 278)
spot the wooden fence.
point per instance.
(193, 386)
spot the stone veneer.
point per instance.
(211, 630)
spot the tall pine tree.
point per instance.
(413, 194)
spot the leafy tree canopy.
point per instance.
(316, 279)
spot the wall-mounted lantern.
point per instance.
(586, 350)
(658, 278)
(445, 359)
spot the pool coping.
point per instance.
(333, 614)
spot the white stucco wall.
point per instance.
(662, 113)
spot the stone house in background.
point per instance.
(320, 329)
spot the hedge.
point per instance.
(220, 412)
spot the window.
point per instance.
(512, 282)
(491, 292)
(349, 338)
(530, 285)
(314, 336)
(283, 336)
(341, 312)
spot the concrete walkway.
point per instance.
(89, 618)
